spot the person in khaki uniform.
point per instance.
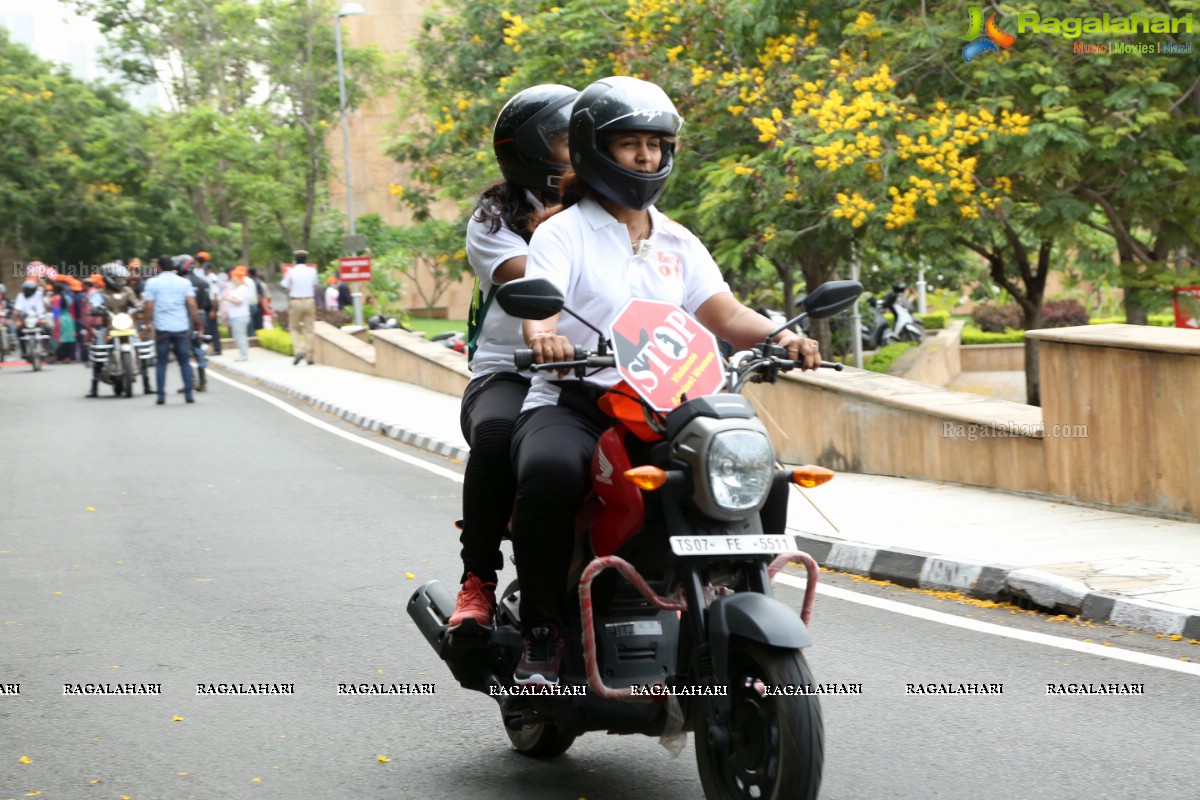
(301, 286)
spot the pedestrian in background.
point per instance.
(301, 286)
(235, 302)
(205, 270)
(259, 303)
(331, 294)
(170, 303)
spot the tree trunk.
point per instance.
(1033, 383)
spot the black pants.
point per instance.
(552, 452)
(177, 342)
(211, 328)
(256, 319)
(490, 407)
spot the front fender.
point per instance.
(752, 616)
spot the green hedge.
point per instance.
(1157, 320)
(972, 335)
(275, 339)
(884, 356)
(934, 320)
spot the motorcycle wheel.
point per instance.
(542, 740)
(35, 358)
(776, 745)
(125, 389)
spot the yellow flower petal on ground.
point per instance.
(25, 760)
(34, 793)
(89, 508)
(181, 774)
(256, 780)
(409, 575)
(382, 759)
(56, 594)
(176, 719)
(95, 781)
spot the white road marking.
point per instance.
(336, 431)
(1131, 656)
(1134, 657)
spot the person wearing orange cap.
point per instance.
(331, 294)
(204, 269)
(235, 305)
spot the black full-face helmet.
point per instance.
(184, 263)
(614, 105)
(29, 288)
(524, 134)
(115, 275)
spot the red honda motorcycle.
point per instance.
(677, 628)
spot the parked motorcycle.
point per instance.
(34, 341)
(688, 637)
(905, 327)
(119, 355)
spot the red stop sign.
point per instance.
(664, 354)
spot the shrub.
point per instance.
(1156, 320)
(275, 339)
(934, 320)
(972, 335)
(996, 319)
(884, 356)
(1063, 314)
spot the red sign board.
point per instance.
(664, 354)
(355, 269)
(1187, 307)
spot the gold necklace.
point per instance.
(642, 237)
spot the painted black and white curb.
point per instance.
(392, 430)
(999, 582)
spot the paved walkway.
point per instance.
(1133, 570)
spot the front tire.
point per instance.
(126, 388)
(776, 744)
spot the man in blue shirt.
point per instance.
(170, 303)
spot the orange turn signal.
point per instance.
(646, 478)
(809, 476)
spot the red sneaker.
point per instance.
(476, 603)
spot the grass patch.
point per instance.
(884, 356)
(432, 327)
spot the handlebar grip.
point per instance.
(833, 365)
(523, 358)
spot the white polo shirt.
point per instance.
(486, 251)
(301, 282)
(585, 252)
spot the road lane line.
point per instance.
(1132, 656)
(893, 606)
(325, 426)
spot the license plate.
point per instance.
(732, 545)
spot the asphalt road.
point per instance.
(229, 542)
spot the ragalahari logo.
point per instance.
(985, 39)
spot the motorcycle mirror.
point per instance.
(829, 299)
(530, 298)
(832, 298)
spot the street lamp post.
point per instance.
(348, 10)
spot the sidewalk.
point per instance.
(1128, 569)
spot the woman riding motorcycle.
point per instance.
(607, 245)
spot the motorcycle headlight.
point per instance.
(741, 469)
(30, 321)
(122, 321)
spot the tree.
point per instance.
(257, 82)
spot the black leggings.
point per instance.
(552, 451)
(490, 406)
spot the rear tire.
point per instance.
(542, 740)
(776, 747)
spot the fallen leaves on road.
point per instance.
(91, 508)
(25, 760)
(176, 719)
(382, 759)
(409, 575)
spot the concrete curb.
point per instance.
(390, 429)
(999, 581)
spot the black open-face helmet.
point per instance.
(183, 263)
(524, 136)
(615, 105)
(29, 288)
(114, 275)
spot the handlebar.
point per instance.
(523, 359)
